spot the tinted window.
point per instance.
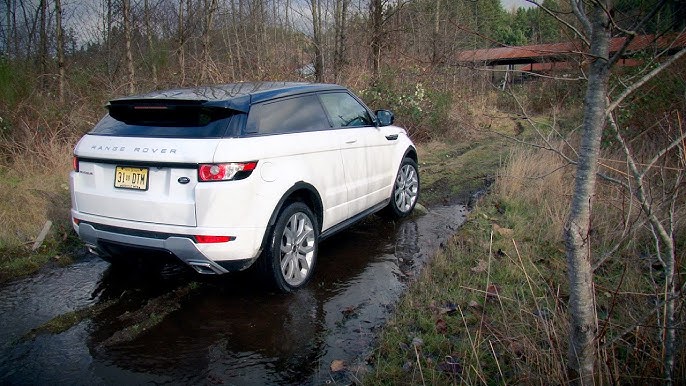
(345, 111)
(303, 113)
(168, 123)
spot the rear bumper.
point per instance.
(215, 258)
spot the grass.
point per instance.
(491, 308)
(481, 311)
(32, 193)
(454, 170)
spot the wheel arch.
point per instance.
(303, 192)
(411, 152)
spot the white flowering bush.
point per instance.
(424, 112)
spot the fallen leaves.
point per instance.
(481, 266)
(338, 365)
(492, 292)
(441, 326)
(451, 365)
(448, 308)
(503, 232)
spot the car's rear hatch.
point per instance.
(140, 164)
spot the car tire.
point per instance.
(405, 191)
(291, 253)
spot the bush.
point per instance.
(422, 110)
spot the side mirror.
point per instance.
(384, 117)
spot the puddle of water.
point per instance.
(228, 330)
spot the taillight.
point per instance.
(226, 171)
(75, 163)
(203, 239)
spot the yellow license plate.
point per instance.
(131, 178)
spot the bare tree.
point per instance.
(149, 35)
(340, 21)
(435, 52)
(130, 72)
(43, 56)
(107, 30)
(181, 41)
(210, 9)
(376, 18)
(316, 8)
(596, 28)
(60, 50)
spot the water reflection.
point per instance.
(229, 330)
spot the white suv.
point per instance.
(223, 177)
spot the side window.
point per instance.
(302, 113)
(345, 111)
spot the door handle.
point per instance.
(351, 141)
(392, 137)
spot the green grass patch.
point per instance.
(482, 312)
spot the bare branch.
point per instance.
(578, 9)
(632, 34)
(629, 90)
(675, 143)
(533, 126)
(559, 19)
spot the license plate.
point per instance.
(131, 178)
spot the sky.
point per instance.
(508, 4)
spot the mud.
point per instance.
(92, 324)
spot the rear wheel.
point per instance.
(405, 190)
(291, 254)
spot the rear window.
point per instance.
(168, 121)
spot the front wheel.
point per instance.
(290, 257)
(405, 190)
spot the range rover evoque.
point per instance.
(228, 176)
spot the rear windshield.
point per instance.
(168, 122)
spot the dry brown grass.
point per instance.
(34, 169)
(541, 179)
(33, 189)
(504, 274)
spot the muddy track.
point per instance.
(91, 323)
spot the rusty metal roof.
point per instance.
(541, 52)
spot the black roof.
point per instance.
(236, 96)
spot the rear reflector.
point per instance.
(213, 239)
(75, 163)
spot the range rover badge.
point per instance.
(184, 180)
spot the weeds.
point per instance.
(491, 308)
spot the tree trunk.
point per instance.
(108, 39)
(151, 48)
(210, 6)
(581, 354)
(317, 40)
(60, 51)
(341, 13)
(130, 72)
(15, 29)
(7, 34)
(376, 17)
(236, 16)
(436, 52)
(43, 57)
(180, 45)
